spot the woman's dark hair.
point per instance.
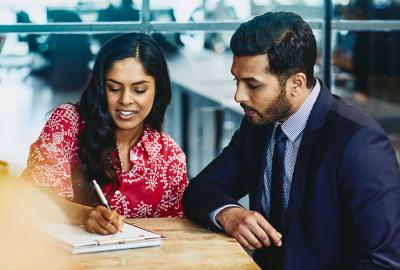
(284, 37)
(97, 140)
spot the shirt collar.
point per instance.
(296, 123)
(149, 142)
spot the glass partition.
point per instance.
(42, 67)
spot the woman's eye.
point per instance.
(139, 91)
(112, 89)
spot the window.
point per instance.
(47, 50)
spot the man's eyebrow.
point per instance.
(250, 79)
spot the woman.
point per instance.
(113, 135)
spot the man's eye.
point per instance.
(252, 86)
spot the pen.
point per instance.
(101, 195)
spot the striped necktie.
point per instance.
(276, 214)
(277, 180)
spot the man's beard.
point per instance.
(278, 110)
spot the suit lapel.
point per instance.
(261, 146)
(299, 175)
(315, 122)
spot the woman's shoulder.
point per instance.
(168, 141)
(165, 143)
(67, 110)
(66, 115)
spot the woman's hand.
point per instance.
(101, 221)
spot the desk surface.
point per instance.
(188, 246)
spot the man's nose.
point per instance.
(240, 95)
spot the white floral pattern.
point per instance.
(153, 187)
(120, 204)
(143, 210)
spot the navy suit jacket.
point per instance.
(344, 204)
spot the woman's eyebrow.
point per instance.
(134, 83)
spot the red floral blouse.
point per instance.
(152, 188)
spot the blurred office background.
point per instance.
(47, 49)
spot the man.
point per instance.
(322, 177)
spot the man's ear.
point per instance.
(298, 83)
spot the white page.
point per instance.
(75, 236)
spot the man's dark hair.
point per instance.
(284, 37)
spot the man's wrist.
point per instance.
(220, 218)
(217, 211)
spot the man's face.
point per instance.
(258, 91)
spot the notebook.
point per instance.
(77, 240)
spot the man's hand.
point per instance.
(101, 221)
(249, 228)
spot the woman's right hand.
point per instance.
(101, 221)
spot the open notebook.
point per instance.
(77, 240)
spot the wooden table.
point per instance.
(187, 246)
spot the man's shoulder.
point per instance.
(346, 118)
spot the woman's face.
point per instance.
(130, 94)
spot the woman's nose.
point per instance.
(126, 97)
